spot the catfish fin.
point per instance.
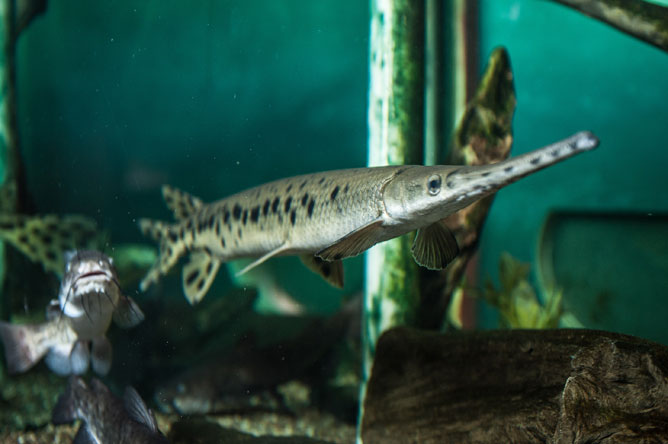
(53, 310)
(80, 357)
(182, 204)
(198, 275)
(332, 271)
(353, 243)
(100, 357)
(23, 346)
(58, 359)
(84, 436)
(127, 313)
(137, 409)
(64, 412)
(275, 252)
(434, 246)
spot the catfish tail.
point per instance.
(171, 248)
(24, 346)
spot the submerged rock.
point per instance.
(520, 386)
(202, 431)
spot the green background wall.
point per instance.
(574, 73)
(118, 97)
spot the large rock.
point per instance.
(520, 386)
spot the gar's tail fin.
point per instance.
(23, 345)
(171, 248)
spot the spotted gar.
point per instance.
(328, 216)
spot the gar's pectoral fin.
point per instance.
(198, 275)
(434, 246)
(331, 271)
(353, 243)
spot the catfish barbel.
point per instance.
(328, 216)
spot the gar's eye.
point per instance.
(434, 184)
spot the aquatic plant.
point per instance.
(517, 301)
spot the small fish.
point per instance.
(45, 238)
(74, 333)
(106, 418)
(328, 216)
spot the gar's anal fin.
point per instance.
(275, 252)
(198, 275)
(331, 271)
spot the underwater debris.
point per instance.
(643, 20)
(246, 377)
(516, 300)
(106, 419)
(89, 297)
(520, 386)
(325, 217)
(208, 432)
(46, 238)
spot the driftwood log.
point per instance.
(519, 386)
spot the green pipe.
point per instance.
(396, 137)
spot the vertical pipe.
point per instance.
(434, 100)
(396, 136)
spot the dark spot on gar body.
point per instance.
(288, 202)
(335, 191)
(255, 214)
(535, 161)
(274, 205)
(293, 217)
(303, 184)
(265, 207)
(244, 218)
(311, 205)
(509, 169)
(304, 199)
(236, 211)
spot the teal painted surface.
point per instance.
(573, 73)
(210, 96)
